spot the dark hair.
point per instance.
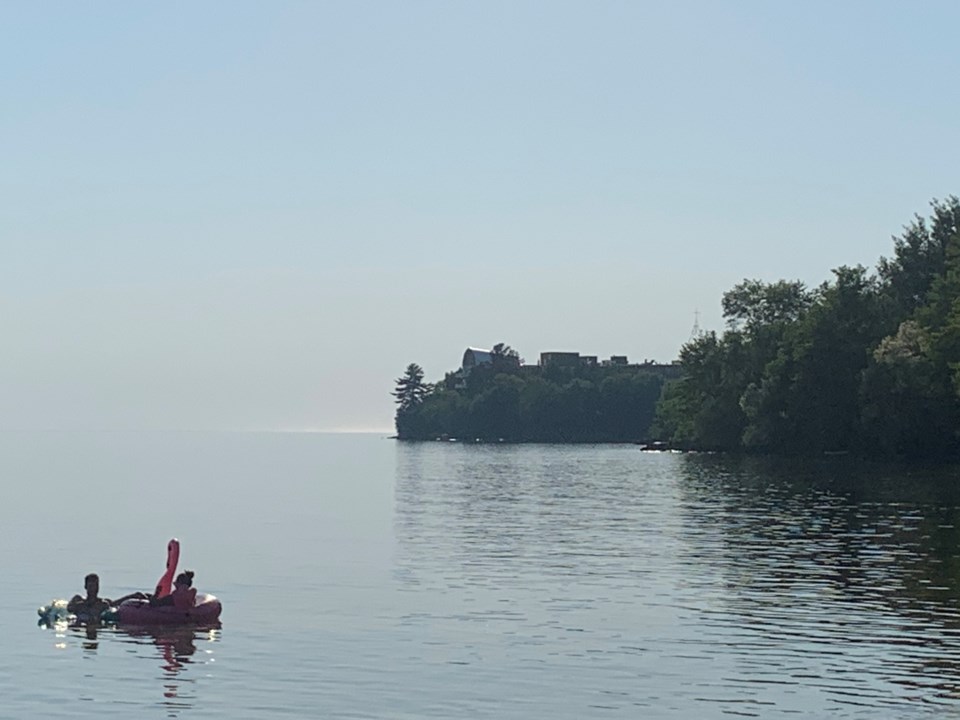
(91, 576)
(185, 577)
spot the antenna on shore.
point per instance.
(696, 332)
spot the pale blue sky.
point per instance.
(253, 215)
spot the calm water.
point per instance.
(362, 578)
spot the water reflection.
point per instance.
(181, 651)
(90, 631)
(838, 574)
(496, 509)
(736, 585)
(177, 646)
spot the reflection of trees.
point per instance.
(438, 483)
(833, 554)
(499, 512)
(837, 577)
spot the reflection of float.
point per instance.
(177, 645)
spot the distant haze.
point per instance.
(254, 215)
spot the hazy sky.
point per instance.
(253, 215)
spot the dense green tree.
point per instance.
(828, 351)
(941, 315)
(409, 393)
(703, 409)
(578, 410)
(627, 403)
(443, 413)
(907, 407)
(495, 412)
(410, 388)
(864, 362)
(504, 359)
(754, 305)
(909, 394)
(588, 404)
(919, 258)
(539, 403)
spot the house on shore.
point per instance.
(473, 357)
(476, 357)
(669, 371)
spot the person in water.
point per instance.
(93, 605)
(184, 595)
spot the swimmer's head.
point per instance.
(92, 584)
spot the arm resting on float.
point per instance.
(76, 602)
(134, 595)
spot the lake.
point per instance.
(365, 578)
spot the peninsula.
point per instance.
(868, 362)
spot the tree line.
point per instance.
(505, 401)
(868, 362)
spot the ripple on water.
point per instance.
(739, 587)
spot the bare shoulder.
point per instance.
(76, 602)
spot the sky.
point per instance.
(252, 216)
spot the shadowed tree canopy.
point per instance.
(410, 390)
(753, 304)
(919, 256)
(510, 402)
(865, 363)
(868, 362)
(504, 358)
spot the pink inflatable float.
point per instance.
(205, 609)
(139, 612)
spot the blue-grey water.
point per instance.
(364, 578)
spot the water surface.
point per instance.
(363, 578)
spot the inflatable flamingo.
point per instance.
(165, 586)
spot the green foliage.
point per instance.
(865, 362)
(919, 258)
(703, 409)
(410, 392)
(504, 401)
(906, 406)
(755, 305)
(910, 394)
(410, 389)
(505, 359)
(826, 353)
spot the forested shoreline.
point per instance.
(868, 362)
(506, 401)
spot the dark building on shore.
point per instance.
(475, 357)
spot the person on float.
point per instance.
(184, 595)
(93, 605)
